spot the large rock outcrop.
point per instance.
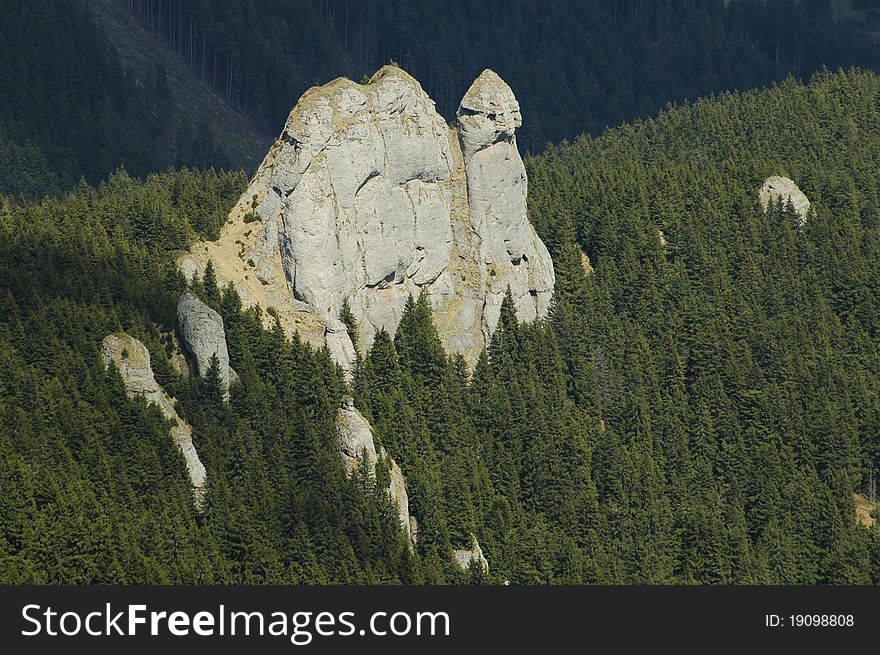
(132, 359)
(201, 331)
(368, 196)
(782, 189)
(356, 442)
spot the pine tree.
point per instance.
(210, 290)
(214, 387)
(418, 346)
(348, 319)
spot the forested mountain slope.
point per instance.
(700, 411)
(576, 66)
(66, 105)
(736, 365)
(73, 105)
(203, 129)
(69, 110)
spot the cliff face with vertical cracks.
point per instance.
(369, 196)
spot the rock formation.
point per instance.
(201, 331)
(356, 442)
(508, 247)
(132, 359)
(463, 557)
(340, 346)
(369, 196)
(355, 436)
(585, 264)
(777, 189)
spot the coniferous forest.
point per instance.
(70, 106)
(701, 407)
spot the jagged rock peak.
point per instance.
(777, 188)
(512, 254)
(367, 197)
(132, 360)
(203, 336)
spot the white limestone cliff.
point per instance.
(132, 360)
(511, 252)
(368, 196)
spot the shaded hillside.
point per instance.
(178, 82)
(196, 107)
(575, 66)
(67, 109)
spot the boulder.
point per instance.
(202, 334)
(355, 436)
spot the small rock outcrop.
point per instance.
(132, 360)
(356, 442)
(340, 346)
(463, 557)
(368, 196)
(586, 265)
(355, 436)
(201, 331)
(398, 493)
(866, 510)
(783, 189)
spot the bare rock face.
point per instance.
(511, 252)
(132, 359)
(777, 189)
(355, 436)
(356, 442)
(463, 557)
(369, 196)
(201, 331)
(340, 346)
